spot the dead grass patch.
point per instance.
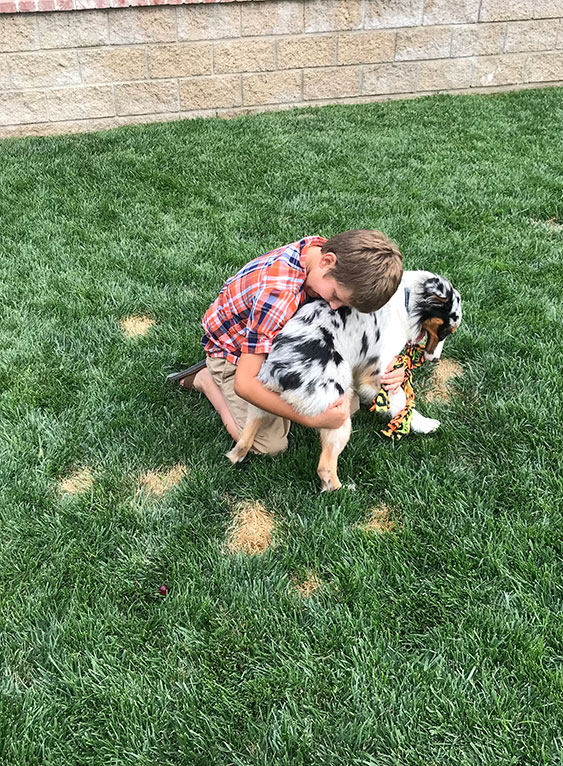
(307, 587)
(136, 325)
(550, 223)
(156, 483)
(445, 370)
(379, 520)
(77, 482)
(251, 530)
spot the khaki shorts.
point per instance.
(272, 437)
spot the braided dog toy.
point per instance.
(400, 425)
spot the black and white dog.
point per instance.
(321, 354)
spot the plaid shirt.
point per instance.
(254, 305)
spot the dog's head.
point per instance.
(437, 311)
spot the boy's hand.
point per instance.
(392, 380)
(333, 417)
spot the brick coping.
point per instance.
(34, 6)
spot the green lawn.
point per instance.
(439, 643)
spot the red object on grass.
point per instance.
(163, 590)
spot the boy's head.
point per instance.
(360, 268)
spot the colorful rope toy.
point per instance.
(411, 358)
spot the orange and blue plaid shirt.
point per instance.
(254, 305)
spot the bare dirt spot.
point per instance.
(156, 483)
(445, 370)
(551, 223)
(251, 530)
(379, 520)
(77, 482)
(137, 325)
(307, 587)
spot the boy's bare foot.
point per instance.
(193, 380)
(186, 377)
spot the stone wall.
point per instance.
(78, 70)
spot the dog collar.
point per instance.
(407, 298)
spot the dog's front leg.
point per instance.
(333, 441)
(255, 418)
(397, 401)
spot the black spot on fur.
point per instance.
(290, 380)
(307, 320)
(365, 345)
(343, 312)
(282, 340)
(315, 350)
(275, 367)
(339, 388)
(321, 350)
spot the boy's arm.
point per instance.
(248, 387)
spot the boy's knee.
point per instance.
(270, 446)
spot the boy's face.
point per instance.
(319, 284)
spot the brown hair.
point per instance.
(368, 264)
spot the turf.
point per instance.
(438, 643)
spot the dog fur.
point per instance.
(321, 355)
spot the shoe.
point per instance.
(186, 377)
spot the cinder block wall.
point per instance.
(79, 70)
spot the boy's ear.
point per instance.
(328, 261)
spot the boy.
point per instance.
(360, 268)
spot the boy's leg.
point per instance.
(205, 383)
(272, 437)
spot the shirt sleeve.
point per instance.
(271, 309)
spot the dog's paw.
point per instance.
(329, 484)
(427, 426)
(236, 455)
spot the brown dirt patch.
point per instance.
(550, 223)
(77, 482)
(251, 530)
(156, 483)
(445, 370)
(379, 520)
(137, 325)
(307, 587)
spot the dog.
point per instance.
(322, 354)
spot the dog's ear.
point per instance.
(432, 327)
(438, 289)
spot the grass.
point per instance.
(438, 643)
